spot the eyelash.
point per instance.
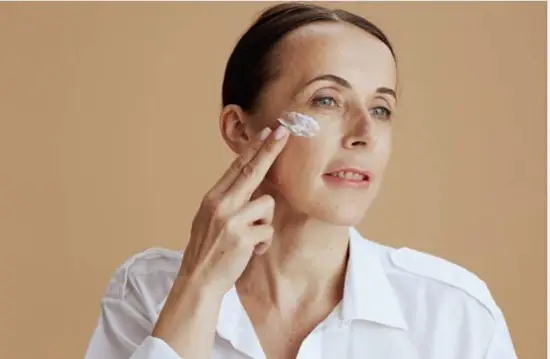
(386, 116)
(316, 101)
(387, 112)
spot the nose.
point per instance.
(361, 131)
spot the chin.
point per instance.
(338, 209)
(340, 216)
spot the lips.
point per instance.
(350, 174)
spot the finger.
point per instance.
(262, 247)
(261, 237)
(258, 211)
(254, 172)
(236, 167)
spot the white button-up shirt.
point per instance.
(397, 304)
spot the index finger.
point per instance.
(236, 167)
(255, 171)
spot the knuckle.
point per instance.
(235, 237)
(219, 225)
(209, 200)
(255, 146)
(232, 226)
(269, 200)
(241, 244)
(270, 146)
(238, 164)
(264, 235)
(212, 204)
(219, 210)
(248, 170)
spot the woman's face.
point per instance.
(345, 78)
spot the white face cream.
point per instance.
(299, 124)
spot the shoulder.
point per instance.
(414, 273)
(147, 274)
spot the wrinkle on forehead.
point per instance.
(340, 48)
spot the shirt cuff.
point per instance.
(154, 348)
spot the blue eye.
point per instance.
(324, 101)
(381, 112)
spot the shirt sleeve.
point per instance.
(121, 333)
(129, 310)
(501, 346)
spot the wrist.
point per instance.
(188, 321)
(187, 304)
(205, 291)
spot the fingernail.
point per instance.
(264, 133)
(280, 132)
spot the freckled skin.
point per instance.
(367, 64)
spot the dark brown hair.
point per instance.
(249, 67)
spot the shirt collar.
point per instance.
(368, 293)
(235, 326)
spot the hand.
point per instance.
(229, 227)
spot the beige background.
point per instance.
(109, 138)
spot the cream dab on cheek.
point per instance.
(299, 124)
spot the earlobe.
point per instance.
(234, 128)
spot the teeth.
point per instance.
(348, 175)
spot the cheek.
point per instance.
(384, 150)
(300, 161)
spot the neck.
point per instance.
(305, 263)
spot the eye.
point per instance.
(381, 113)
(324, 101)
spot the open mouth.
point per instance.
(353, 176)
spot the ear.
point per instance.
(235, 129)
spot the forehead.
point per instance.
(338, 48)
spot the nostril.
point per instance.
(358, 143)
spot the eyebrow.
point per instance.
(345, 83)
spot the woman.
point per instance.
(274, 268)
